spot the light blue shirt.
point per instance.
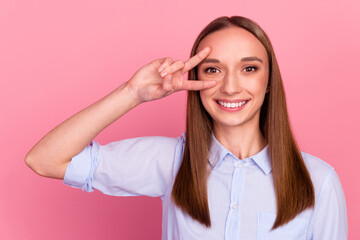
(241, 193)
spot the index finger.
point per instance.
(196, 59)
(195, 85)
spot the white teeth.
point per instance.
(231, 105)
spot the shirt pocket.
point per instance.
(294, 230)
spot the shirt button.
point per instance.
(239, 165)
(234, 206)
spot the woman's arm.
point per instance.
(51, 155)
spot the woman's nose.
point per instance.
(230, 84)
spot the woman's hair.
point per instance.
(293, 187)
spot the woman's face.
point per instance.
(239, 64)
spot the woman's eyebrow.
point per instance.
(210, 60)
(245, 59)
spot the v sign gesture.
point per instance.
(164, 76)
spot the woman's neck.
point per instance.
(242, 141)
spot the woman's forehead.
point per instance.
(233, 42)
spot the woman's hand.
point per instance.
(164, 76)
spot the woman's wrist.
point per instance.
(131, 93)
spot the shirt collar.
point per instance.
(218, 152)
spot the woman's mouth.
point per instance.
(232, 105)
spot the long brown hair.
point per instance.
(293, 187)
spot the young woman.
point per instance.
(236, 173)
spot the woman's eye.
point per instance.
(250, 69)
(211, 70)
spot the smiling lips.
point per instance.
(231, 105)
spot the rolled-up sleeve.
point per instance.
(130, 167)
(330, 217)
(79, 172)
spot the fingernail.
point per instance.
(163, 74)
(160, 69)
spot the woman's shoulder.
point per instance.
(329, 216)
(320, 171)
(316, 164)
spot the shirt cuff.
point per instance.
(79, 172)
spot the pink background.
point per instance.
(57, 57)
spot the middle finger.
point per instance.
(196, 59)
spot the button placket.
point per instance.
(234, 217)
